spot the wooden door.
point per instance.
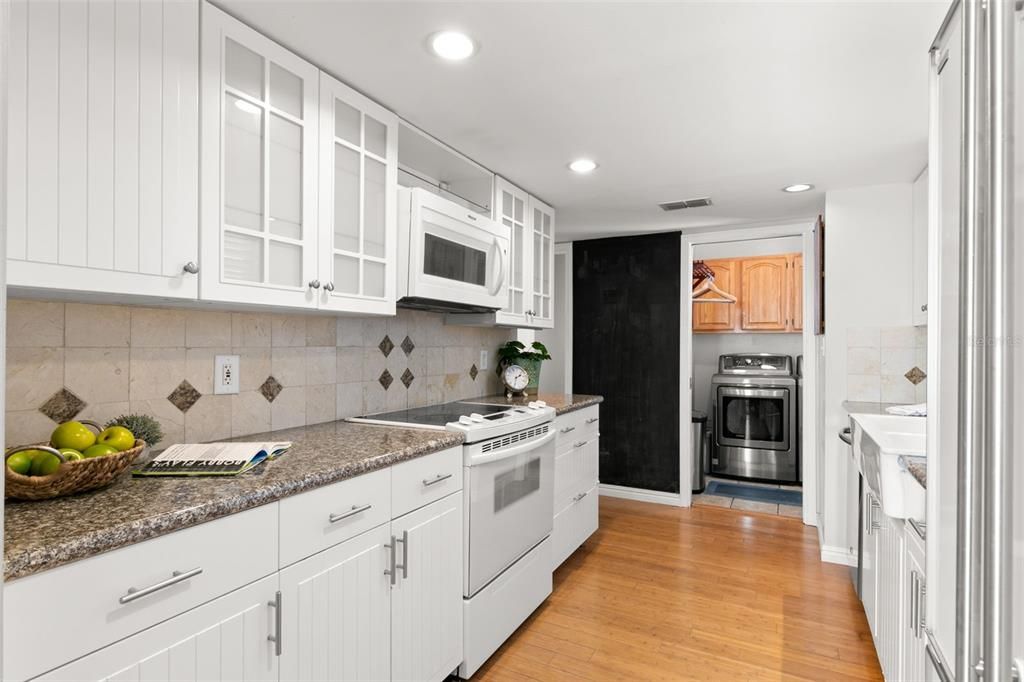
(225, 639)
(337, 613)
(764, 303)
(259, 162)
(720, 317)
(103, 140)
(426, 601)
(796, 288)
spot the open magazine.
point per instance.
(211, 459)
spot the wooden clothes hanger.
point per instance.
(706, 285)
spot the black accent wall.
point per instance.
(626, 298)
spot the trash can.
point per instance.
(698, 449)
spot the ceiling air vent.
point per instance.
(685, 203)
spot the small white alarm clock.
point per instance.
(515, 379)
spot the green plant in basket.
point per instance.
(529, 358)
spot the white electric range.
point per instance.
(508, 490)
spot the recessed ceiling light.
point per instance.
(799, 187)
(452, 45)
(582, 166)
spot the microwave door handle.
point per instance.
(496, 247)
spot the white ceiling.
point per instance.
(673, 99)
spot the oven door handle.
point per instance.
(505, 453)
(737, 392)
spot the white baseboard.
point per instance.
(837, 555)
(641, 495)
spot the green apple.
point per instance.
(21, 462)
(118, 437)
(45, 463)
(74, 435)
(71, 455)
(99, 450)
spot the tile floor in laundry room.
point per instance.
(725, 501)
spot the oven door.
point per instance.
(456, 256)
(753, 417)
(509, 485)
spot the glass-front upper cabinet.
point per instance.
(510, 209)
(260, 113)
(358, 203)
(542, 229)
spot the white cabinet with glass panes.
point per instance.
(542, 229)
(358, 183)
(260, 111)
(510, 209)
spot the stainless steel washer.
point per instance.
(754, 406)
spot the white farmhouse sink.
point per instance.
(878, 442)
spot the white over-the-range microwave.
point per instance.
(450, 259)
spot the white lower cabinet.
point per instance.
(225, 639)
(576, 478)
(426, 599)
(914, 640)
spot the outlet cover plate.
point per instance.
(226, 376)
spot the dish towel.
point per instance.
(918, 410)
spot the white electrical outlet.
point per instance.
(226, 374)
(484, 357)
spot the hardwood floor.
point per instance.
(661, 593)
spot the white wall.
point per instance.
(868, 283)
(749, 247)
(707, 348)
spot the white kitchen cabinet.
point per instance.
(890, 607)
(576, 478)
(225, 639)
(260, 118)
(869, 559)
(426, 599)
(920, 252)
(103, 139)
(510, 209)
(336, 609)
(542, 227)
(914, 640)
(358, 184)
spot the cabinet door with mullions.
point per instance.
(259, 122)
(543, 234)
(358, 181)
(510, 209)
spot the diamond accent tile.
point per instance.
(407, 377)
(271, 388)
(184, 396)
(407, 346)
(473, 371)
(386, 379)
(62, 406)
(916, 375)
(386, 345)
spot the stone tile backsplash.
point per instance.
(886, 364)
(99, 361)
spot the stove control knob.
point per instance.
(533, 405)
(465, 420)
(477, 417)
(541, 404)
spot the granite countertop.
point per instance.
(562, 402)
(44, 535)
(918, 468)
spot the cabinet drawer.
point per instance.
(316, 520)
(423, 480)
(573, 526)
(575, 473)
(576, 427)
(72, 610)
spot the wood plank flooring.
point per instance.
(661, 593)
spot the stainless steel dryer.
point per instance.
(754, 406)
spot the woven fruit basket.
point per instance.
(71, 477)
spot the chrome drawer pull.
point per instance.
(568, 429)
(176, 577)
(579, 444)
(593, 419)
(356, 509)
(390, 571)
(437, 479)
(579, 497)
(405, 554)
(278, 623)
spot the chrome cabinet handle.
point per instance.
(875, 523)
(390, 571)
(329, 286)
(356, 509)
(405, 554)
(579, 444)
(918, 528)
(912, 606)
(593, 419)
(924, 308)
(846, 436)
(176, 577)
(190, 267)
(437, 479)
(314, 284)
(922, 592)
(579, 497)
(568, 429)
(278, 623)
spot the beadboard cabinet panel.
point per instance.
(103, 160)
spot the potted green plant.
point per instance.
(516, 353)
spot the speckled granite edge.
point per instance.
(918, 468)
(259, 490)
(562, 402)
(578, 403)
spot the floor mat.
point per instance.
(793, 498)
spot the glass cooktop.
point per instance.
(439, 415)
